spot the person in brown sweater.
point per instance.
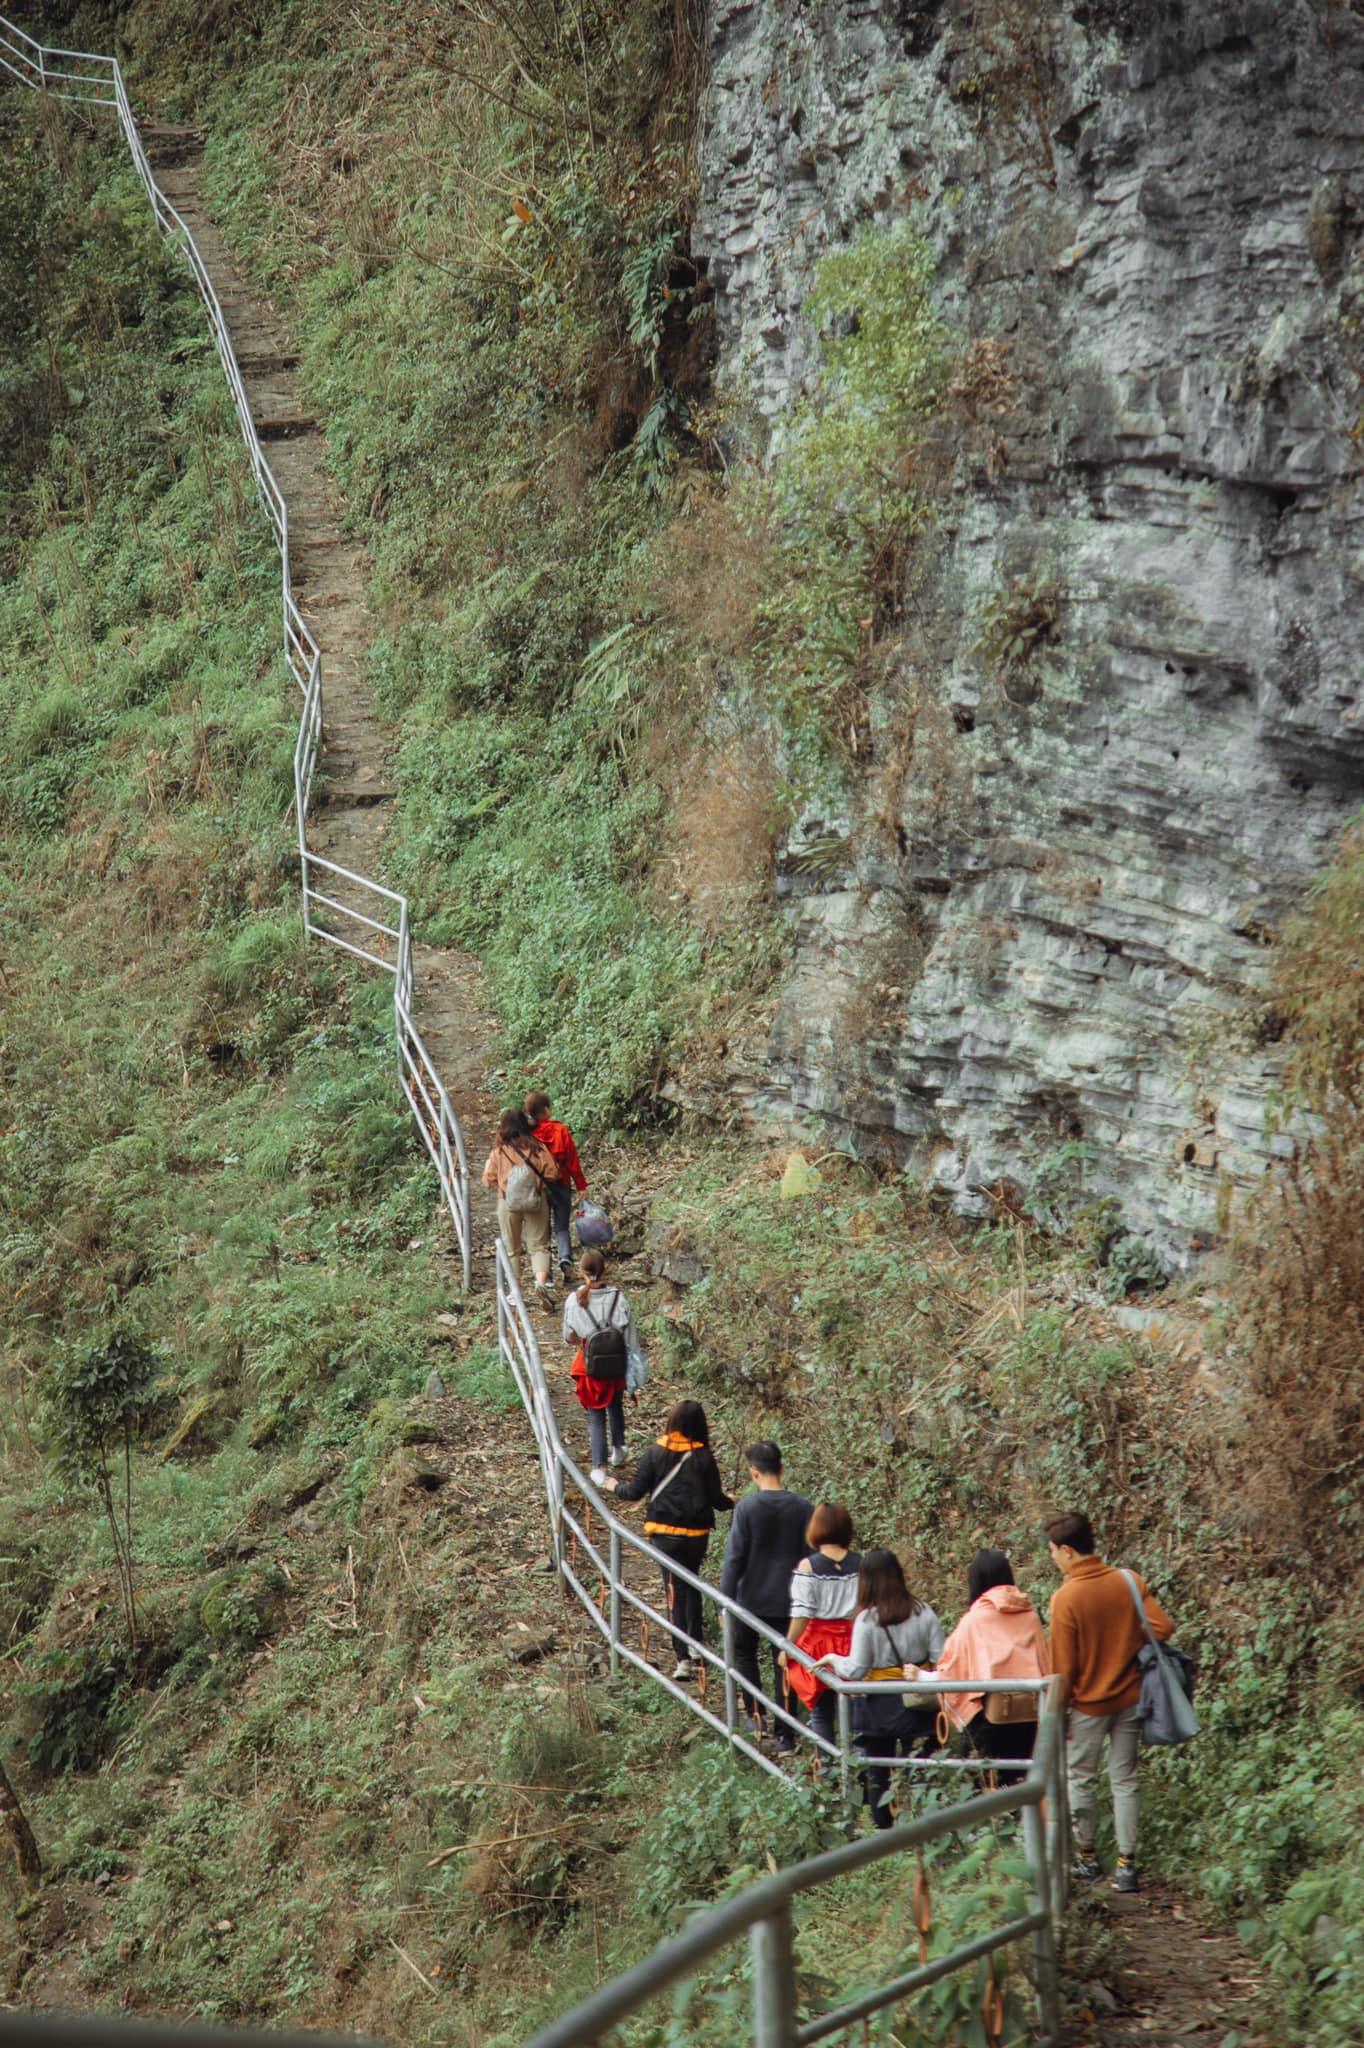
(1095, 1636)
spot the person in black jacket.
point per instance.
(766, 1543)
(680, 1480)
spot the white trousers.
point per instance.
(1085, 1737)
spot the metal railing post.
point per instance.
(615, 1600)
(731, 1689)
(845, 1760)
(774, 1980)
(1044, 1936)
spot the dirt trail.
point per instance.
(1161, 1974)
(353, 794)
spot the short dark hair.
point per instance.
(881, 1588)
(987, 1568)
(513, 1124)
(830, 1524)
(688, 1419)
(1076, 1530)
(536, 1106)
(765, 1456)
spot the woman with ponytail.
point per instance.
(591, 1312)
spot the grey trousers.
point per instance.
(1085, 1737)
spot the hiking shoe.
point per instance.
(683, 1669)
(548, 1298)
(1086, 1869)
(566, 1273)
(598, 1474)
(619, 1454)
(1125, 1876)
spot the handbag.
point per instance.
(664, 1484)
(1165, 1715)
(1005, 1709)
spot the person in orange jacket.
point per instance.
(1096, 1636)
(557, 1140)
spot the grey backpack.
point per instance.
(1165, 1714)
(525, 1184)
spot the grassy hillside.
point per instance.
(609, 689)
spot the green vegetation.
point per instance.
(949, 1402)
(318, 1784)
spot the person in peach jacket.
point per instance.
(999, 1636)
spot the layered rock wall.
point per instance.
(1042, 895)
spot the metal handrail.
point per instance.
(98, 81)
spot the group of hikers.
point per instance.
(790, 1564)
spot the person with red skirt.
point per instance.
(823, 1603)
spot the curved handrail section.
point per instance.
(763, 1912)
(342, 909)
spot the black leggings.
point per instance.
(914, 1732)
(683, 1601)
(1011, 1739)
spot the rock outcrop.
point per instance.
(1035, 914)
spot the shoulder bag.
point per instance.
(1164, 1713)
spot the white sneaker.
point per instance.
(683, 1669)
(618, 1454)
(597, 1474)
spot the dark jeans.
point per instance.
(747, 1651)
(596, 1426)
(1011, 1739)
(913, 1732)
(684, 1602)
(561, 1216)
(824, 1720)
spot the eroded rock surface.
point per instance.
(1045, 892)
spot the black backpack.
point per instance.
(604, 1353)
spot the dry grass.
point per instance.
(713, 569)
(724, 810)
(1300, 1330)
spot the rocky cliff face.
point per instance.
(1032, 916)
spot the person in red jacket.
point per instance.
(557, 1140)
(1096, 1634)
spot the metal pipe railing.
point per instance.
(764, 1913)
(92, 80)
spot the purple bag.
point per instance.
(594, 1225)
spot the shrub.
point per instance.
(1299, 1332)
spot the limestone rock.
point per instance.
(1051, 917)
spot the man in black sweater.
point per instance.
(766, 1543)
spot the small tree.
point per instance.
(97, 1400)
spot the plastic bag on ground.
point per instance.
(800, 1178)
(594, 1225)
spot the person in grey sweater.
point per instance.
(888, 1616)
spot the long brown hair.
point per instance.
(881, 1587)
(592, 1266)
(513, 1124)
